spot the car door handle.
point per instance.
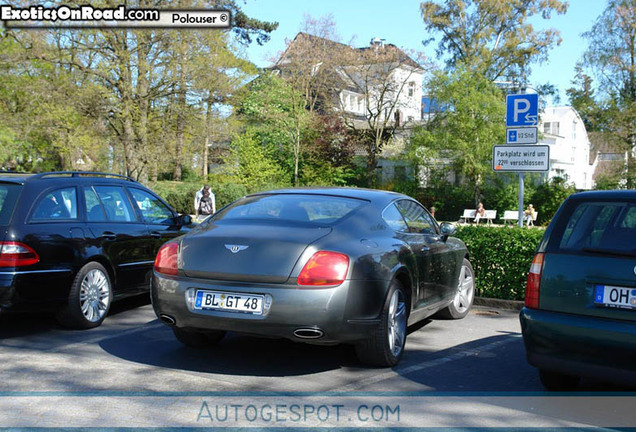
(109, 235)
(155, 234)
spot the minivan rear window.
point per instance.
(601, 227)
(8, 196)
(290, 207)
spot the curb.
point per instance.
(498, 303)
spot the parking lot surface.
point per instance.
(132, 355)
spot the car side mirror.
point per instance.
(184, 219)
(447, 229)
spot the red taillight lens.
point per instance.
(14, 254)
(324, 268)
(166, 261)
(534, 282)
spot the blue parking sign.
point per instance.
(522, 110)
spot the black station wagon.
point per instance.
(73, 242)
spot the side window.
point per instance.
(394, 219)
(116, 204)
(94, 210)
(417, 218)
(60, 204)
(152, 209)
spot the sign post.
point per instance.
(522, 117)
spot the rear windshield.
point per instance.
(8, 196)
(601, 227)
(291, 207)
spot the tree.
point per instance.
(492, 37)
(145, 74)
(466, 127)
(276, 110)
(582, 99)
(611, 55)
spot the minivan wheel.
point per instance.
(464, 296)
(89, 298)
(556, 381)
(385, 346)
(198, 339)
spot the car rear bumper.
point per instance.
(578, 345)
(33, 289)
(345, 313)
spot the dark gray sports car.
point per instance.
(324, 266)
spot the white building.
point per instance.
(564, 131)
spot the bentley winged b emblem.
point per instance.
(235, 248)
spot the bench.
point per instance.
(469, 215)
(513, 215)
(510, 216)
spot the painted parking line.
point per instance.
(406, 370)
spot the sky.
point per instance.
(400, 23)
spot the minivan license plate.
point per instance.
(613, 296)
(233, 302)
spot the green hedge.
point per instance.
(501, 257)
(180, 195)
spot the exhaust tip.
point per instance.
(167, 319)
(308, 333)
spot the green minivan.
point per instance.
(579, 318)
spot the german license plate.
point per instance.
(613, 296)
(232, 302)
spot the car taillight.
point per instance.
(534, 282)
(166, 261)
(324, 268)
(14, 254)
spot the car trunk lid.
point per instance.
(247, 251)
(590, 263)
(588, 285)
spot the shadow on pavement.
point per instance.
(22, 324)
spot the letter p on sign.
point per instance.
(522, 110)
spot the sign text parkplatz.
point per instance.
(521, 158)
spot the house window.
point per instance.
(411, 89)
(574, 130)
(411, 118)
(359, 104)
(572, 155)
(551, 128)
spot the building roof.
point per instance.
(338, 49)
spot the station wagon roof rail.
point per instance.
(81, 173)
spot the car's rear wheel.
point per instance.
(89, 298)
(385, 346)
(198, 339)
(556, 381)
(464, 296)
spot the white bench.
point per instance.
(469, 215)
(513, 216)
(510, 216)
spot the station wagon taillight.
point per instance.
(534, 282)
(166, 261)
(324, 268)
(14, 254)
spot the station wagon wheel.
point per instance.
(464, 295)
(385, 346)
(89, 298)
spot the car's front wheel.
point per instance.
(464, 295)
(89, 298)
(385, 345)
(198, 339)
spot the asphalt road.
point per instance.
(49, 373)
